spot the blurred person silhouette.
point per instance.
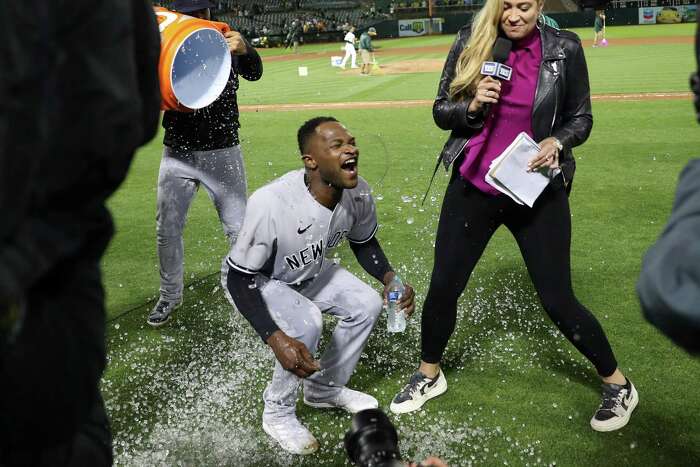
(294, 36)
(669, 282)
(367, 51)
(599, 29)
(80, 93)
(349, 46)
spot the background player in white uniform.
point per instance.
(201, 149)
(280, 280)
(350, 49)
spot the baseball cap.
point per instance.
(372, 32)
(188, 6)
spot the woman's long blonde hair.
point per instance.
(479, 48)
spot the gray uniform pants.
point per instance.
(297, 311)
(222, 174)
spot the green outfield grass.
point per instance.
(620, 68)
(612, 32)
(519, 393)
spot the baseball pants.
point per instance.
(349, 52)
(222, 174)
(298, 313)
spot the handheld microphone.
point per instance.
(497, 68)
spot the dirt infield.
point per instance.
(445, 48)
(423, 65)
(428, 102)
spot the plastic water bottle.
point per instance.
(396, 319)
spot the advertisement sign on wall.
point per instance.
(668, 14)
(420, 27)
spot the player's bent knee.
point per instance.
(370, 307)
(312, 326)
(376, 305)
(305, 326)
(166, 241)
(316, 321)
(168, 232)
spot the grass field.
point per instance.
(519, 393)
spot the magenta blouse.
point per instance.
(509, 117)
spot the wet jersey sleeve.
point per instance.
(365, 215)
(255, 243)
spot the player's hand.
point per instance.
(293, 354)
(408, 299)
(547, 157)
(235, 42)
(488, 91)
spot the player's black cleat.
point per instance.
(161, 313)
(616, 407)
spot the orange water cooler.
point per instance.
(195, 61)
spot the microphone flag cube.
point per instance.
(504, 72)
(497, 70)
(489, 68)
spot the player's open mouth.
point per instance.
(350, 165)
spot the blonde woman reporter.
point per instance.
(548, 97)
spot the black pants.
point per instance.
(52, 411)
(468, 219)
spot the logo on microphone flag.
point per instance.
(489, 68)
(504, 72)
(497, 70)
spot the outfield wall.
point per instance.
(450, 24)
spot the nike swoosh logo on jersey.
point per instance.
(301, 231)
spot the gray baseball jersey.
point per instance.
(287, 234)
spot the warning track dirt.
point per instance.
(640, 96)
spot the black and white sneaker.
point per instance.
(161, 312)
(616, 407)
(418, 391)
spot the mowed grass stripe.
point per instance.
(616, 69)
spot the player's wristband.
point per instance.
(250, 303)
(371, 257)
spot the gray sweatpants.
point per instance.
(297, 311)
(222, 174)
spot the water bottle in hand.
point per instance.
(396, 319)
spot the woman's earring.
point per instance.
(540, 19)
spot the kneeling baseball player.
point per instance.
(281, 281)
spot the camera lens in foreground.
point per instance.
(372, 441)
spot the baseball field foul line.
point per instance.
(640, 96)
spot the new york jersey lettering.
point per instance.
(306, 256)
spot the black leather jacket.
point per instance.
(562, 106)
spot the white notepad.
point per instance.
(508, 172)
